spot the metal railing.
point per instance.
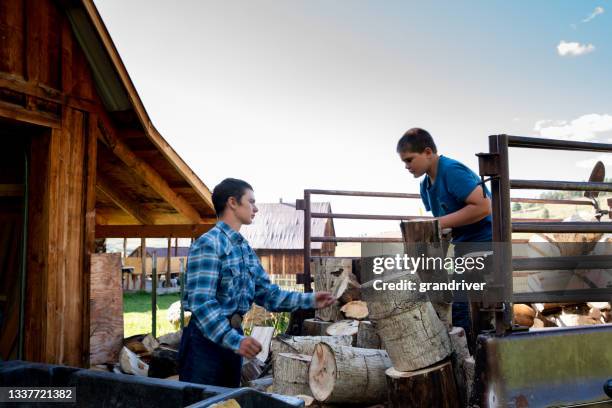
(305, 205)
(495, 165)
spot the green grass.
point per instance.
(137, 313)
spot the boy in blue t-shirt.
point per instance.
(451, 191)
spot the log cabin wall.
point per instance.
(45, 80)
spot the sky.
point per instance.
(290, 95)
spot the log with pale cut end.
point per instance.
(407, 324)
(291, 374)
(430, 387)
(343, 328)
(599, 305)
(460, 354)
(131, 364)
(150, 343)
(345, 374)
(315, 327)
(357, 309)
(346, 288)
(326, 271)
(367, 336)
(308, 400)
(523, 314)
(305, 344)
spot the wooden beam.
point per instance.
(15, 112)
(173, 158)
(127, 205)
(144, 170)
(152, 231)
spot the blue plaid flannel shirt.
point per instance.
(225, 276)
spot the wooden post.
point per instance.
(143, 263)
(127, 284)
(175, 247)
(168, 258)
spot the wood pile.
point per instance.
(539, 315)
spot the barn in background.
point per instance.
(277, 236)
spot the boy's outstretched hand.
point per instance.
(323, 299)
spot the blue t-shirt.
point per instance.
(454, 183)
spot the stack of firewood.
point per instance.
(538, 315)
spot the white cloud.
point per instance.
(574, 49)
(598, 10)
(586, 127)
(606, 159)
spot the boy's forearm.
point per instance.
(469, 214)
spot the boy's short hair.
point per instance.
(416, 140)
(230, 187)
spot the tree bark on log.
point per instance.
(346, 288)
(306, 344)
(458, 357)
(291, 374)
(326, 272)
(429, 387)
(367, 337)
(407, 324)
(314, 327)
(348, 375)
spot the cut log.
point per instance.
(346, 288)
(348, 375)
(326, 272)
(134, 344)
(407, 324)
(305, 344)
(291, 374)
(430, 387)
(230, 403)
(251, 370)
(460, 354)
(171, 340)
(469, 368)
(308, 400)
(264, 336)
(571, 320)
(343, 328)
(314, 327)
(150, 343)
(131, 364)
(444, 310)
(357, 309)
(367, 336)
(607, 316)
(523, 314)
(599, 305)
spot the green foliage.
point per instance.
(137, 313)
(517, 207)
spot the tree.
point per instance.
(517, 207)
(545, 213)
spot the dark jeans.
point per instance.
(205, 362)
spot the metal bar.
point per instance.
(307, 241)
(182, 278)
(560, 185)
(575, 295)
(154, 296)
(561, 227)
(539, 143)
(355, 239)
(362, 193)
(562, 263)
(551, 201)
(502, 231)
(24, 253)
(369, 216)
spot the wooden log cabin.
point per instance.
(80, 159)
(277, 236)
